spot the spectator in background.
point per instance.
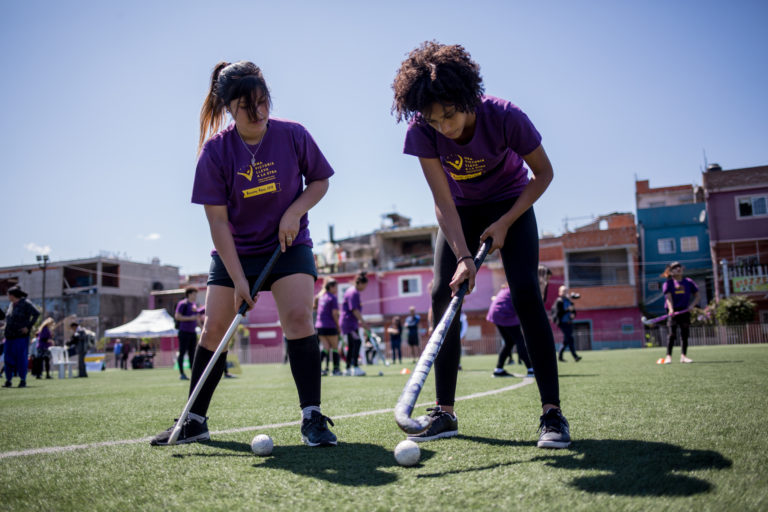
(116, 350)
(20, 318)
(503, 315)
(412, 327)
(125, 351)
(564, 313)
(327, 325)
(44, 342)
(187, 316)
(80, 341)
(395, 331)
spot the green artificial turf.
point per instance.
(646, 437)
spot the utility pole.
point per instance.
(42, 262)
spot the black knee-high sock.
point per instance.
(304, 356)
(324, 358)
(200, 361)
(336, 359)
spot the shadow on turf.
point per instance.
(637, 468)
(352, 464)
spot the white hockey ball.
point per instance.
(407, 453)
(262, 445)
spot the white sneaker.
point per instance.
(684, 359)
(358, 372)
(668, 360)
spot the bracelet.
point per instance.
(463, 258)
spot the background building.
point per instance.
(737, 208)
(101, 292)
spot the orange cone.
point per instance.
(405, 371)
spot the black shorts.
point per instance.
(327, 331)
(295, 260)
(413, 340)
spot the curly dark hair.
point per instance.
(436, 73)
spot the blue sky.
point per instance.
(101, 100)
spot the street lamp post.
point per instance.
(42, 262)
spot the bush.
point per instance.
(736, 309)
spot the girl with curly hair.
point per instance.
(257, 179)
(473, 150)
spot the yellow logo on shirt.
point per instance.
(456, 163)
(247, 174)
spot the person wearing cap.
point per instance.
(80, 341)
(20, 318)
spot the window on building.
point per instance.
(110, 275)
(689, 244)
(653, 285)
(343, 287)
(80, 276)
(656, 204)
(82, 310)
(408, 286)
(666, 245)
(598, 268)
(752, 206)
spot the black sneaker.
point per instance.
(314, 431)
(502, 373)
(324, 373)
(22, 384)
(443, 425)
(191, 432)
(7, 384)
(183, 377)
(554, 430)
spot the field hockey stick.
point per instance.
(658, 319)
(410, 394)
(223, 343)
(377, 344)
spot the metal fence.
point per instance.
(656, 336)
(714, 335)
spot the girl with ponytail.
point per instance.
(257, 178)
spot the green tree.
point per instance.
(736, 309)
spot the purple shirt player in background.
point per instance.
(351, 321)
(476, 152)
(256, 178)
(680, 294)
(187, 316)
(502, 314)
(327, 325)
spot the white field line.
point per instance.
(73, 447)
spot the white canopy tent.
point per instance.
(151, 323)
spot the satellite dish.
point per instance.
(703, 216)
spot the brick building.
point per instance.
(600, 262)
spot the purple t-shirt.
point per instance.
(187, 308)
(501, 311)
(257, 195)
(326, 304)
(681, 291)
(350, 303)
(44, 339)
(488, 168)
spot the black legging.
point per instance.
(568, 341)
(512, 335)
(520, 257)
(353, 349)
(683, 321)
(187, 344)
